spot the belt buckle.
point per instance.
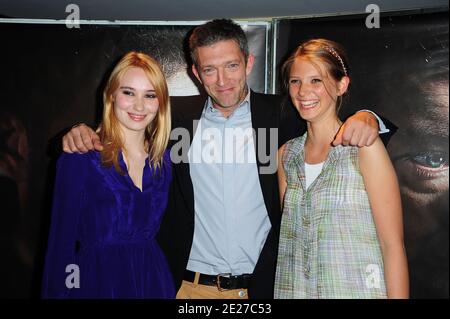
(218, 280)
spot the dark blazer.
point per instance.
(177, 228)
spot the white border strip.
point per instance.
(274, 56)
(267, 62)
(119, 22)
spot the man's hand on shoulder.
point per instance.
(361, 129)
(81, 139)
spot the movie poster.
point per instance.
(52, 78)
(400, 70)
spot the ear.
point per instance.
(343, 85)
(250, 62)
(195, 71)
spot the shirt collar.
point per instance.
(242, 109)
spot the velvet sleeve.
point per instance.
(66, 210)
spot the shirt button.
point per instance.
(306, 272)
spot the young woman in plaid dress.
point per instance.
(342, 230)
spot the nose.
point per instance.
(302, 90)
(139, 105)
(221, 77)
(296, 90)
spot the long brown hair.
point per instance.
(157, 132)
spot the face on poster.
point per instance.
(168, 45)
(400, 71)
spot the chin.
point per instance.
(226, 104)
(137, 128)
(227, 101)
(308, 115)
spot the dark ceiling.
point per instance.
(198, 10)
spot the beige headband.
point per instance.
(337, 56)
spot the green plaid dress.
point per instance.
(328, 242)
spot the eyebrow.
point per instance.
(225, 63)
(427, 128)
(309, 76)
(133, 89)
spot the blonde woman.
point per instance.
(341, 230)
(108, 205)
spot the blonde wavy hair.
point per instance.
(157, 132)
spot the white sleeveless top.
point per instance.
(311, 172)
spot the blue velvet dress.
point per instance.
(105, 226)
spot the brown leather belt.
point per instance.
(221, 281)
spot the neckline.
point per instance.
(317, 164)
(127, 176)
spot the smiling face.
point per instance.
(223, 71)
(313, 92)
(135, 101)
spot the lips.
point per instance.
(225, 91)
(136, 117)
(308, 104)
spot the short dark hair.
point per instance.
(215, 31)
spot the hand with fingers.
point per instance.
(81, 139)
(361, 129)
